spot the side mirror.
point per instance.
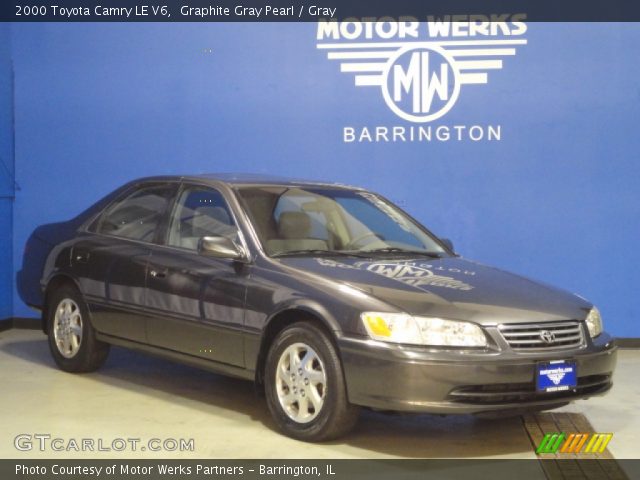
(448, 243)
(220, 247)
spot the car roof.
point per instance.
(249, 179)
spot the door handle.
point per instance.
(158, 274)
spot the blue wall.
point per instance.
(6, 172)
(556, 198)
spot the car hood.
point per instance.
(448, 287)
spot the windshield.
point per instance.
(315, 221)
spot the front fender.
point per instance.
(309, 307)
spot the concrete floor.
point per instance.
(136, 396)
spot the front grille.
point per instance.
(496, 394)
(543, 336)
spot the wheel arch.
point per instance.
(288, 316)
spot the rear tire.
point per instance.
(305, 386)
(72, 338)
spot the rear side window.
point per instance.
(138, 215)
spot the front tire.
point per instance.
(71, 336)
(305, 386)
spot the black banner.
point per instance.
(311, 10)
(458, 469)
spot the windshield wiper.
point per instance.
(317, 252)
(402, 251)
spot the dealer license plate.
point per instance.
(556, 376)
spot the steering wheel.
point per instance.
(352, 243)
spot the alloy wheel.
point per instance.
(301, 382)
(67, 328)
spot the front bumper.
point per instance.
(413, 379)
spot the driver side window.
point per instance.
(200, 212)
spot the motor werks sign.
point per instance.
(422, 69)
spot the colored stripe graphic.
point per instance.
(550, 443)
(574, 443)
(598, 442)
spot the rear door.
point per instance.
(197, 302)
(111, 260)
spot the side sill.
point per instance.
(215, 367)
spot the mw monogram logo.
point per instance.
(415, 276)
(420, 67)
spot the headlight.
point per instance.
(404, 328)
(594, 322)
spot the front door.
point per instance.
(197, 302)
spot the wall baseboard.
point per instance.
(628, 342)
(27, 323)
(24, 323)
(6, 324)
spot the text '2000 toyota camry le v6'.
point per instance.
(329, 297)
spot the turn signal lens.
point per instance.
(377, 326)
(391, 327)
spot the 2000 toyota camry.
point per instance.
(329, 297)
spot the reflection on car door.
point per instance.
(111, 261)
(196, 303)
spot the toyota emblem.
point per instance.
(547, 336)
